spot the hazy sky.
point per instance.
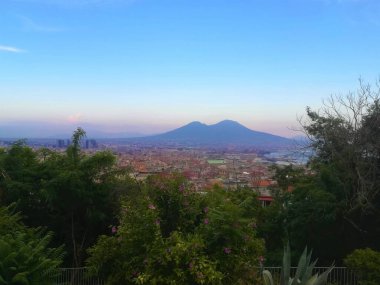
(151, 65)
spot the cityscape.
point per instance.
(229, 167)
(189, 142)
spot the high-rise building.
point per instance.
(91, 144)
(61, 143)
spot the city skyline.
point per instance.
(146, 67)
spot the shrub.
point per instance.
(366, 264)
(172, 234)
(25, 257)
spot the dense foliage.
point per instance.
(71, 194)
(25, 255)
(161, 231)
(310, 214)
(334, 205)
(366, 265)
(171, 234)
(346, 137)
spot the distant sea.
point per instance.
(293, 156)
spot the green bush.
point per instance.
(171, 234)
(366, 264)
(25, 257)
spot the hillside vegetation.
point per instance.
(162, 231)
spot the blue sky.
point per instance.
(146, 66)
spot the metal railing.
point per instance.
(79, 276)
(76, 276)
(338, 276)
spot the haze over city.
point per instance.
(190, 142)
(145, 67)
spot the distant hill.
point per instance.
(224, 133)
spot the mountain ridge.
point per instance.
(226, 132)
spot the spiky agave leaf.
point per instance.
(312, 280)
(304, 270)
(301, 268)
(309, 272)
(322, 279)
(286, 263)
(267, 276)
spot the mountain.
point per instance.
(224, 133)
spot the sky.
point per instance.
(148, 66)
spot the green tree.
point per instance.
(334, 206)
(345, 136)
(25, 255)
(71, 193)
(172, 234)
(288, 175)
(366, 264)
(311, 214)
(20, 180)
(80, 196)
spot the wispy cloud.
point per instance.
(75, 118)
(10, 49)
(31, 25)
(344, 1)
(76, 3)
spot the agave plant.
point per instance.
(304, 273)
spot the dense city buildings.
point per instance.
(204, 168)
(229, 168)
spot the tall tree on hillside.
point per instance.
(20, 180)
(345, 135)
(71, 193)
(335, 207)
(79, 194)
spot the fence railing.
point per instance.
(338, 276)
(79, 276)
(76, 276)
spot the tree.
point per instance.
(334, 206)
(311, 214)
(80, 197)
(25, 255)
(20, 182)
(366, 265)
(72, 194)
(288, 175)
(172, 234)
(345, 135)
